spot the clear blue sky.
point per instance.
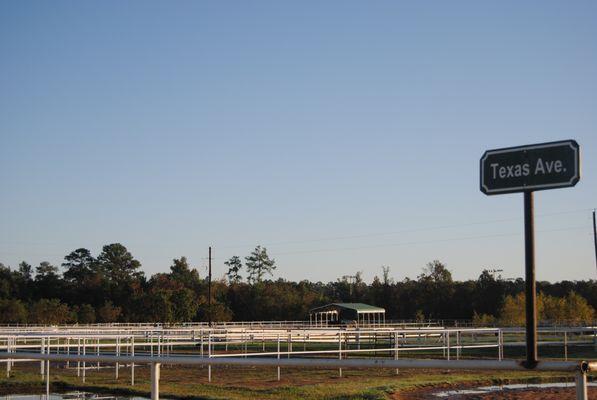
(341, 135)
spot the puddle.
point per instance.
(70, 396)
(517, 386)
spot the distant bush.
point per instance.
(572, 309)
(109, 312)
(12, 311)
(85, 314)
(50, 312)
(578, 310)
(483, 319)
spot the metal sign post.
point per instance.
(530, 281)
(527, 169)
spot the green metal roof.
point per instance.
(358, 307)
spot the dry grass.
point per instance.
(228, 382)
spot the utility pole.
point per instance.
(209, 288)
(595, 236)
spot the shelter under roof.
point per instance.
(357, 313)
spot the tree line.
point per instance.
(111, 287)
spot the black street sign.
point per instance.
(526, 169)
(532, 167)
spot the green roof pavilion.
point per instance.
(358, 313)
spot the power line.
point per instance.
(347, 237)
(423, 242)
(410, 230)
(395, 232)
(464, 238)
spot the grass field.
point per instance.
(190, 382)
(228, 382)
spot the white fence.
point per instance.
(580, 368)
(87, 347)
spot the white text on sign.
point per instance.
(518, 170)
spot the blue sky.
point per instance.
(341, 135)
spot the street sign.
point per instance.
(529, 168)
(526, 169)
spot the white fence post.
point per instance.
(41, 350)
(278, 356)
(565, 346)
(340, 352)
(47, 379)
(581, 386)
(132, 364)
(155, 381)
(500, 344)
(397, 351)
(8, 361)
(458, 345)
(117, 354)
(209, 356)
(78, 353)
(448, 344)
(84, 363)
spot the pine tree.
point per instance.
(258, 264)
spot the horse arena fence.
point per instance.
(283, 344)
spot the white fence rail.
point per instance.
(277, 345)
(580, 368)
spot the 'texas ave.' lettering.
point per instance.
(518, 170)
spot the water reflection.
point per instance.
(516, 386)
(69, 396)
